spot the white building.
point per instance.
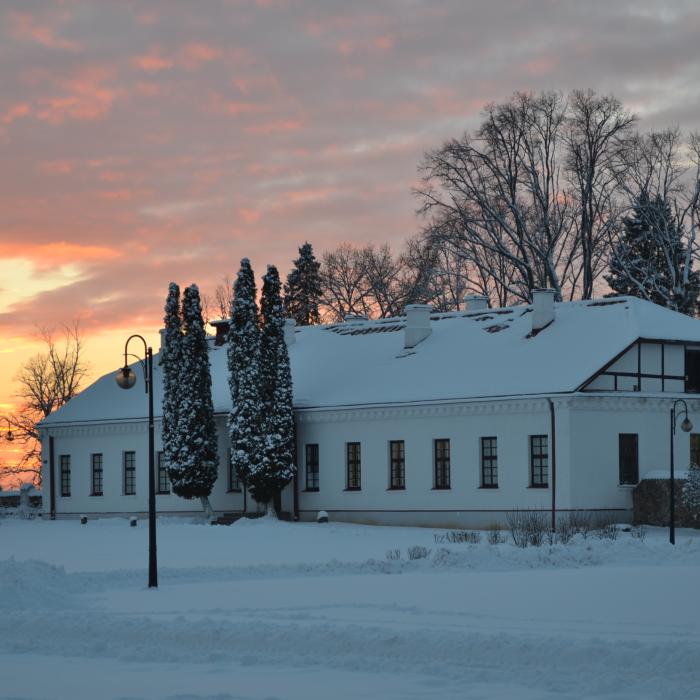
(447, 419)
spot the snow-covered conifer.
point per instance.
(276, 395)
(246, 417)
(302, 292)
(198, 457)
(170, 360)
(651, 259)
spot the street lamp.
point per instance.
(126, 379)
(8, 433)
(686, 427)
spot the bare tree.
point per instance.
(597, 126)
(342, 281)
(47, 381)
(510, 200)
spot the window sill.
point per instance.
(396, 488)
(538, 486)
(96, 495)
(234, 490)
(162, 493)
(488, 487)
(441, 488)
(353, 488)
(311, 490)
(628, 486)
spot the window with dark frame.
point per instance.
(489, 463)
(354, 467)
(397, 465)
(442, 463)
(629, 458)
(64, 461)
(234, 480)
(692, 370)
(695, 448)
(96, 475)
(162, 479)
(130, 473)
(539, 462)
(312, 467)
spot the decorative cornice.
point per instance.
(444, 410)
(100, 429)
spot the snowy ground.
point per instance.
(279, 610)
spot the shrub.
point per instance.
(606, 529)
(393, 554)
(494, 534)
(639, 532)
(463, 537)
(565, 529)
(527, 527)
(417, 552)
(581, 522)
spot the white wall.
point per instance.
(112, 440)
(596, 423)
(465, 503)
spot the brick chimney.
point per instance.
(417, 324)
(221, 327)
(542, 308)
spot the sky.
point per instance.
(149, 142)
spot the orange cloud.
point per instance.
(25, 27)
(56, 167)
(153, 62)
(250, 216)
(58, 252)
(17, 111)
(86, 98)
(193, 55)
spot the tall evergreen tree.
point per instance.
(302, 292)
(171, 361)
(246, 429)
(276, 395)
(651, 260)
(198, 459)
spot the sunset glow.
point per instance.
(148, 142)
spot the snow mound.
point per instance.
(34, 585)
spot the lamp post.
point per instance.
(686, 427)
(126, 379)
(8, 433)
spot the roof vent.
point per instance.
(417, 324)
(542, 308)
(476, 302)
(289, 326)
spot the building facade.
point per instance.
(428, 419)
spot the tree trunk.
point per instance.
(206, 506)
(270, 511)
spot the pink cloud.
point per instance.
(26, 27)
(153, 62)
(195, 54)
(16, 111)
(85, 98)
(541, 65)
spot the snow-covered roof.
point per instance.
(468, 355)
